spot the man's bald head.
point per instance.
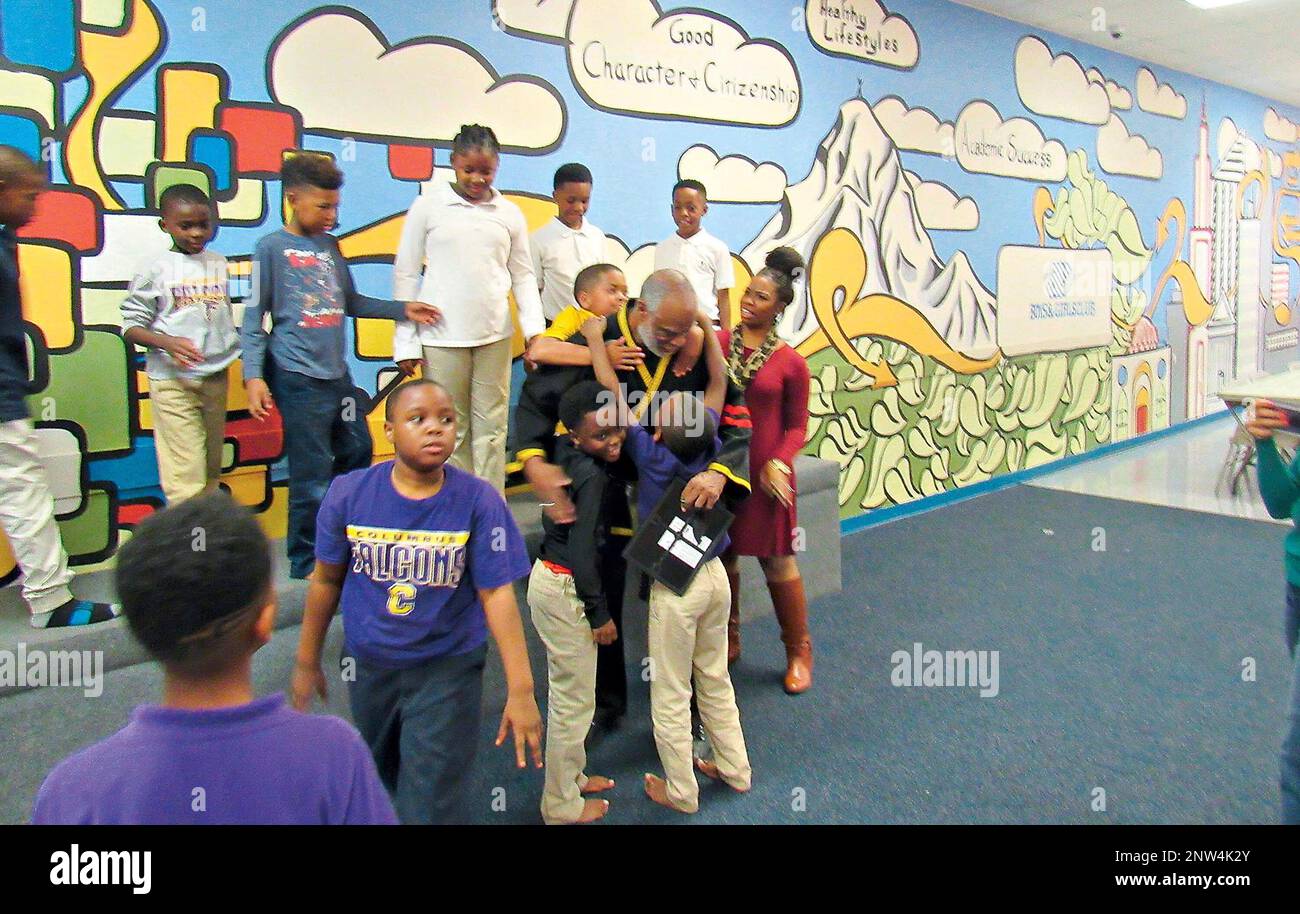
(21, 182)
(669, 309)
(667, 287)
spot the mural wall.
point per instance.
(1015, 254)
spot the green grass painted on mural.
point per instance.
(938, 430)
(89, 387)
(88, 532)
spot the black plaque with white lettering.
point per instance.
(671, 545)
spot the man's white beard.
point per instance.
(648, 339)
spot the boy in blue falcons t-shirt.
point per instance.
(423, 556)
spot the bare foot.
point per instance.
(709, 769)
(656, 788)
(592, 810)
(597, 783)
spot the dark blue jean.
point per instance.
(325, 434)
(1290, 767)
(422, 726)
(611, 668)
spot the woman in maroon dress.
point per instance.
(775, 380)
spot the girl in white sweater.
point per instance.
(464, 247)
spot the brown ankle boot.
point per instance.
(733, 621)
(791, 607)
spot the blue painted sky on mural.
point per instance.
(952, 70)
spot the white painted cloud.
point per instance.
(940, 207)
(546, 19)
(1277, 127)
(1252, 154)
(1227, 136)
(1274, 163)
(616, 251)
(733, 178)
(690, 66)
(914, 129)
(862, 30)
(1157, 97)
(423, 90)
(1016, 148)
(636, 265)
(1119, 97)
(1056, 85)
(1122, 153)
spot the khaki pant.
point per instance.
(478, 379)
(689, 634)
(561, 621)
(27, 516)
(189, 427)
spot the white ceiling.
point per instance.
(1252, 45)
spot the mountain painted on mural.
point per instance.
(856, 182)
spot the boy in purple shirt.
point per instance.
(688, 634)
(195, 585)
(422, 557)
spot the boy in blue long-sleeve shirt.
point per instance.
(1279, 485)
(303, 281)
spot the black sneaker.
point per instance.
(82, 612)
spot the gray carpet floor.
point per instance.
(1119, 670)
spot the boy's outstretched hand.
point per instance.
(548, 482)
(521, 716)
(622, 356)
(307, 681)
(422, 313)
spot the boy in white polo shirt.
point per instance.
(704, 259)
(568, 243)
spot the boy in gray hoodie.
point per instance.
(179, 310)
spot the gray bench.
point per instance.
(820, 564)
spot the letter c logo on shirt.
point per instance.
(401, 599)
